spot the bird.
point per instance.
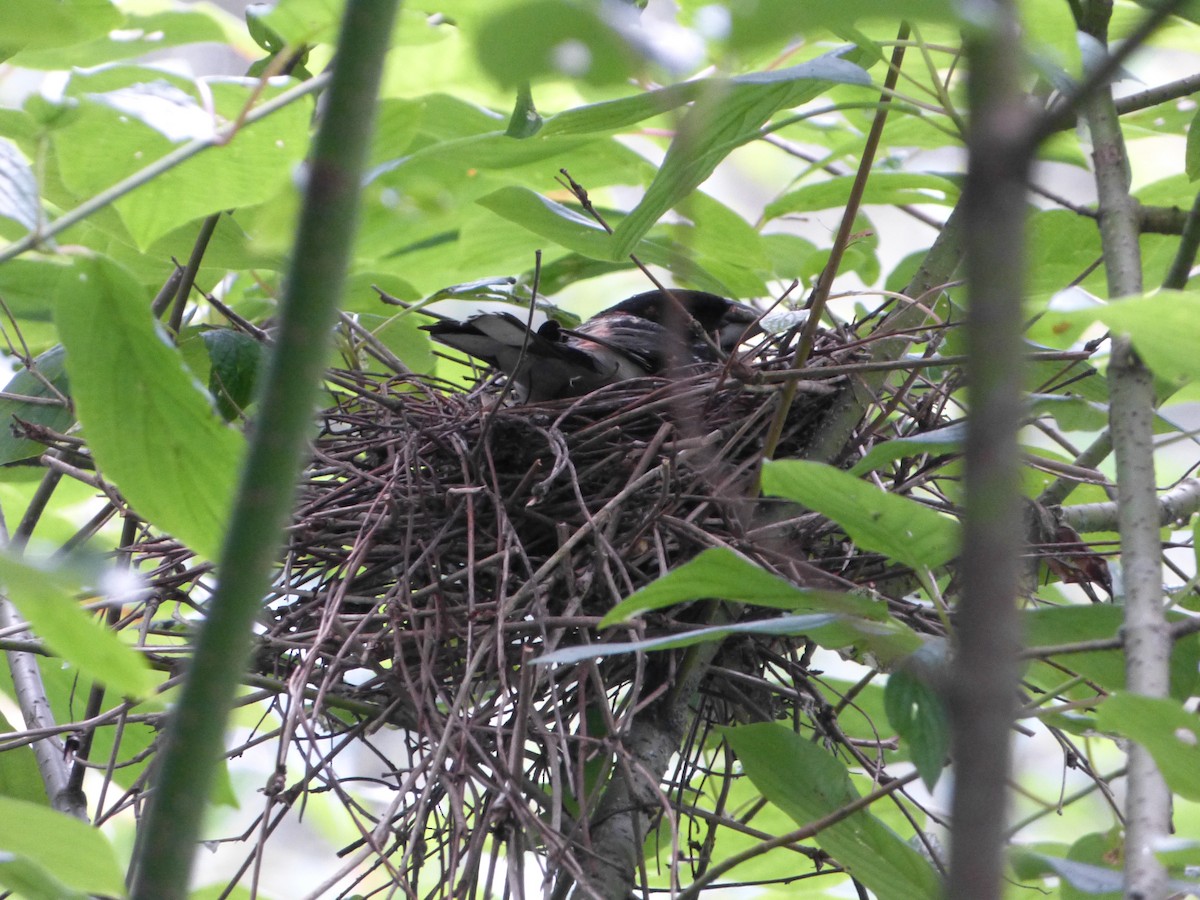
(653, 333)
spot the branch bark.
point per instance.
(983, 690)
(1131, 415)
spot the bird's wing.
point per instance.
(552, 366)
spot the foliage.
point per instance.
(147, 218)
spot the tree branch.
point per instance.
(985, 672)
(1131, 413)
(193, 743)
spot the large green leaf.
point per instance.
(153, 431)
(68, 850)
(724, 117)
(806, 782)
(875, 520)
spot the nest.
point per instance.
(445, 541)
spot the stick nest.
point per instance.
(444, 541)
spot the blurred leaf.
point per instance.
(35, 24)
(556, 39)
(45, 596)
(50, 383)
(138, 35)
(19, 776)
(897, 527)
(1091, 879)
(919, 717)
(78, 855)
(294, 22)
(151, 430)
(768, 21)
(1102, 850)
(1055, 626)
(1050, 32)
(1165, 728)
(808, 784)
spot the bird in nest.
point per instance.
(654, 333)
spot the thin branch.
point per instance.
(1131, 407)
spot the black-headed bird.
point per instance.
(654, 333)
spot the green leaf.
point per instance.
(1050, 29)
(153, 432)
(551, 220)
(29, 881)
(808, 784)
(769, 21)
(104, 145)
(19, 776)
(1099, 850)
(887, 641)
(576, 232)
(45, 596)
(236, 358)
(1091, 880)
(1164, 327)
(919, 717)
(891, 188)
(137, 36)
(723, 118)
(48, 384)
(1165, 728)
(616, 115)
(897, 527)
(295, 22)
(1055, 626)
(721, 574)
(948, 439)
(78, 855)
